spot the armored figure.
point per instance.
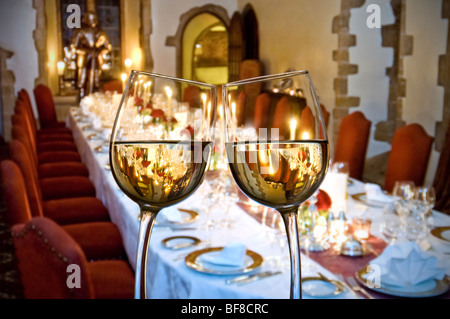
(92, 51)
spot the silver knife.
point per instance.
(250, 278)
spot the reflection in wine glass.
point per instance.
(277, 162)
(158, 156)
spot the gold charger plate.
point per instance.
(440, 287)
(361, 197)
(438, 231)
(191, 216)
(193, 260)
(189, 241)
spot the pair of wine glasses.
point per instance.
(160, 147)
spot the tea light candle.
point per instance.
(124, 81)
(361, 227)
(61, 67)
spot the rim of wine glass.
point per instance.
(275, 77)
(167, 77)
(267, 77)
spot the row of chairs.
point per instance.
(410, 149)
(59, 227)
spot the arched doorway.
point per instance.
(205, 50)
(192, 24)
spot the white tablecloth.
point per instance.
(170, 278)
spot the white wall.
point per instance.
(424, 98)
(17, 22)
(298, 34)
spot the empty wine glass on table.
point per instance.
(278, 163)
(159, 155)
(425, 198)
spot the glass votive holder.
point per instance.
(361, 227)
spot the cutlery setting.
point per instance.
(353, 285)
(245, 279)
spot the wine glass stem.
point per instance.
(147, 219)
(290, 222)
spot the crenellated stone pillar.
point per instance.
(7, 94)
(341, 26)
(394, 36)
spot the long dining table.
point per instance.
(221, 222)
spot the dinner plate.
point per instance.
(187, 216)
(252, 261)
(430, 288)
(180, 242)
(321, 288)
(442, 233)
(362, 197)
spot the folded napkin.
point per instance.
(173, 215)
(233, 255)
(375, 193)
(406, 265)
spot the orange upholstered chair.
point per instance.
(410, 152)
(50, 188)
(192, 96)
(113, 86)
(46, 107)
(43, 157)
(325, 114)
(42, 135)
(262, 111)
(99, 240)
(21, 118)
(307, 123)
(352, 141)
(282, 116)
(44, 252)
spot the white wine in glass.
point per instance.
(160, 148)
(278, 150)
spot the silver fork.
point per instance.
(354, 285)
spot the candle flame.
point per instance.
(305, 136)
(168, 92)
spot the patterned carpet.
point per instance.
(10, 285)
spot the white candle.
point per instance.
(124, 80)
(293, 129)
(169, 101)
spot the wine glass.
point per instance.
(277, 162)
(425, 196)
(159, 154)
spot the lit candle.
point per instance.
(124, 80)
(145, 94)
(61, 67)
(169, 101)
(305, 136)
(233, 110)
(128, 63)
(293, 128)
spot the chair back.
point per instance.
(45, 106)
(325, 114)
(352, 141)
(26, 123)
(113, 86)
(191, 95)
(22, 158)
(410, 152)
(44, 252)
(18, 133)
(262, 111)
(24, 97)
(16, 199)
(282, 116)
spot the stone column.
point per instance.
(341, 26)
(7, 94)
(394, 36)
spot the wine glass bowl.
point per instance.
(160, 149)
(278, 161)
